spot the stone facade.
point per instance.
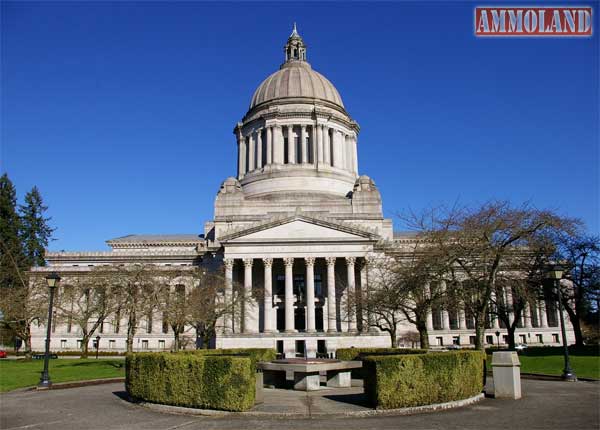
(297, 223)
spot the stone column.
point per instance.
(445, 316)
(343, 151)
(429, 321)
(291, 145)
(241, 156)
(326, 146)
(319, 152)
(337, 149)
(509, 305)
(289, 295)
(331, 310)
(268, 297)
(249, 317)
(354, 155)
(462, 320)
(543, 316)
(364, 286)
(527, 316)
(269, 145)
(310, 294)
(351, 294)
(313, 145)
(259, 149)
(277, 145)
(303, 145)
(229, 317)
(251, 153)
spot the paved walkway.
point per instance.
(546, 405)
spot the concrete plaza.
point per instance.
(545, 405)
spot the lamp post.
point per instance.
(97, 346)
(498, 338)
(52, 280)
(555, 273)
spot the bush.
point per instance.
(192, 380)
(255, 354)
(358, 354)
(399, 381)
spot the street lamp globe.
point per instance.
(52, 280)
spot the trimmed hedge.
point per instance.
(255, 354)
(399, 381)
(358, 354)
(192, 380)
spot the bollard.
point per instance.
(507, 375)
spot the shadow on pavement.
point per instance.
(359, 399)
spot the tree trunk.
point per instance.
(479, 332)
(175, 340)
(84, 345)
(423, 334)
(27, 341)
(510, 333)
(131, 323)
(393, 339)
(576, 325)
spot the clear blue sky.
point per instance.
(122, 113)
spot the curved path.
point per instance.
(546, 405)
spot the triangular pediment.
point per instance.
(300, 228)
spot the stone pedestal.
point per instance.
(309, 381)
(339, 379)
(507, 375)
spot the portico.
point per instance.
(307, 284)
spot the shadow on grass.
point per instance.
(544, 351)
(115, 364)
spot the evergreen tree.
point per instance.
(11, 251)
(35, 230)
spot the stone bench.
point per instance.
(306, 373)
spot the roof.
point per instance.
(143, 238)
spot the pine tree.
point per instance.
(35, 231)
(11, 251)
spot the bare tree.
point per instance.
(136, 287)
(87, 300)
(24, 305)
(480, 244)
(581, 254)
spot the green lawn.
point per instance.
(23, 373)
(549, 361)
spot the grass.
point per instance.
(26, 373)
(549, 361)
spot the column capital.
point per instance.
(330, 261)
(310, 261)
(268, 262)
(350, 261)
(288, 261)
(228, 262)
(248, 262)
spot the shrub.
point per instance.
(255, 354)
(353, 354)
(399, 381)
(192, 380)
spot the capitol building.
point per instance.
(298, 222)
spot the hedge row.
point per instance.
(358, 354)
(399, 381)
(255, 354)
(192, 380)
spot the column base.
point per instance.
(290, 331)
(311, 331)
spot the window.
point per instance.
(101, 329)
(472, 340)
(161, 344)
(318, 285)
(453, 317)
(489, 340)
(149, 323)
(63, 344)
(94, 344)
(280, 348)
(280, 285)
(505, 338)
(145, 344)
(456, 340)
(555, 337)
(540, 338)
(436, 318)
(523, 338)
(112, 344)
(79, 343)
(439, 340)
(300, 348)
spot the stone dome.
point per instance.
(296, 79)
